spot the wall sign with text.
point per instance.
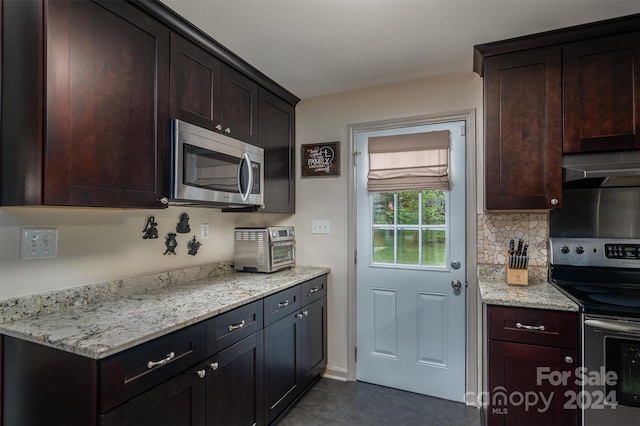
(321, 159)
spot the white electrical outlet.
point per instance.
(320, 227)
(204, 231)
(38, 243)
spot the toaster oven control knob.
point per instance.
(564, 249)
(579, 250)
(274, 234)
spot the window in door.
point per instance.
(410, 228)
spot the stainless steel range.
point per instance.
(595, 260)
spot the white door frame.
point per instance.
(473, 369)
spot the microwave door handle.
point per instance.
(245, 160)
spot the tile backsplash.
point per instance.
(494, 232)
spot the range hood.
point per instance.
(602, 169)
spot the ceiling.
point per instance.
(319, 47)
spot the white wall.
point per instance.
(97, 245)
(326, 119)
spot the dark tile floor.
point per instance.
(331, 402)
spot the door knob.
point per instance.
(456, 264)
(457, 285)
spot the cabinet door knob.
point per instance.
(227, 130)
(554, 201)
(164, 200)
(218, 127)
(201, 373)
(214, 366)
(568, 359)
(299, 316)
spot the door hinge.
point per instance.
(355, 157)
(463, 130)
(355, 257)
(355, 356)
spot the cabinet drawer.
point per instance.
(535, 326)
(226, 329)
(136, 370)
(281, 304)
(312, 290)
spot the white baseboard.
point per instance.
(335, 373)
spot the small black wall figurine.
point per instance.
(183, 226)
(150, 230)
(171, 244)
(193, 246)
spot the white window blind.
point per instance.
(417, 161)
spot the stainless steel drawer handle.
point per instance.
(163, 361)
(306, 313)
(314, 290)
(234, 327)
(283, 304)
(201, 373)
(530, 327)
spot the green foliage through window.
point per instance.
(409, 228)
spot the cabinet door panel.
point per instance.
(107, 105)
(514, 371)
(277, 128)
(601, 94)
(177, 402)
(523, 120)
(282, 365)
(195, 84)
(235, 388)
(239, 106)
(313, 341)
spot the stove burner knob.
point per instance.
(564, 249)
(579, 250)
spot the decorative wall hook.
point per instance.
(150, 230)
(171, 244)
(193, 246)
(183, 226)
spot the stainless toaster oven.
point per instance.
(265, 249)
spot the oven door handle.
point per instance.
(612, 326)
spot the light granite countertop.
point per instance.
(538, 295)
(103, 328)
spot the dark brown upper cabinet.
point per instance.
(563, 91)
(211, 94)
(523, 130)
(90, 95)
(277, 127)
(602, 94)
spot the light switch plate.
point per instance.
(204, 231)
(320, 227)
(38, 243)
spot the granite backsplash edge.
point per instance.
(17, 308)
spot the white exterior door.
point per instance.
(411, 323)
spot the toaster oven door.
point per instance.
(282, 254)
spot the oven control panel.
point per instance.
(604, 252)
(622, 251)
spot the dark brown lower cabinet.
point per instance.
(523, 385)
(235, 384)
(532, 361)
(179, 401)
(227, 370)
(295, 353)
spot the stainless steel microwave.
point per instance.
(210, 169)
